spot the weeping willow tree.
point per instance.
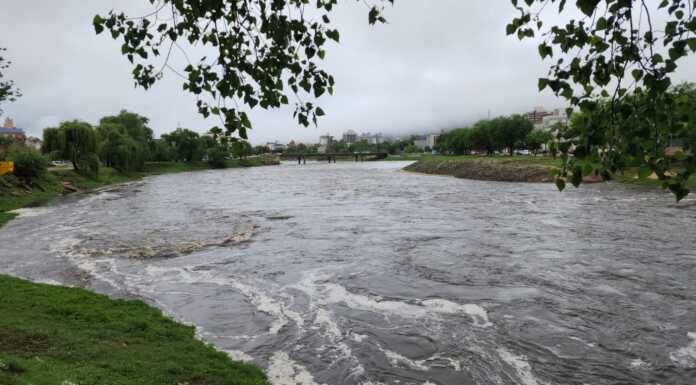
(74, 141)
(124, 141)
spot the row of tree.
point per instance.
(502, 134)
(125, 142)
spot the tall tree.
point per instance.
(75, 141)
(615, 53)
(261, 48)
(125, 141)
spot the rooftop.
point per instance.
(11, 131)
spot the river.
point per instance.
(359, 273)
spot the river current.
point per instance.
(360, 273)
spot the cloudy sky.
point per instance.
(436, 65)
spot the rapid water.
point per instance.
(365, 274)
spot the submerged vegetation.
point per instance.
(57, 335)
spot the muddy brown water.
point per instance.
(364, 274)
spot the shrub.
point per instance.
(217, 157)
(89, 165)
(29, 164)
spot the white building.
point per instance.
(549, 121)
(350, 137)
(275, 147)
(325, 142)
(426, 142)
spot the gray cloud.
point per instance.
(437, 64)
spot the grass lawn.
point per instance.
(59, 336)
(495, 159)
(403, 157)
(629, 176)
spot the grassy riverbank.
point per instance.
(15, 195)
(513, 169)
(57, 335)
(496, 168)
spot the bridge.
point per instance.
(331, 156)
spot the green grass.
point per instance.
(15, 195)
(56, 335)
(496, 159)
(630, 176)
(404, 157)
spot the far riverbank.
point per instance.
(492, 168)
(15, 195)
(529, 169)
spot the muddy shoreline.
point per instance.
(484, 170)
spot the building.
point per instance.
(8, 129)
(325, 142)
(426, 142)
(372, 139)
(275, 147)
(546, 120)
(350, 137)
(34, 142)
(555, 117)
(537, 116)
(420, 141)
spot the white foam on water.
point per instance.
(284, 371)
(638, 363)
(28, 212)
(396, 359)
(359, 338)
(327, 293)
(686, 356)
(256, 296)
(476, 312)
(589, 344)
(238, 355)
(521, 367)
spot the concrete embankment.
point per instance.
(492, 169)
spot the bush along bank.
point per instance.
(58, 335)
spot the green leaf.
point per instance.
(560, 184)
(637, 74)
(587, 6)
(692, 43)
(97, 22)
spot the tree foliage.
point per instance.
(505, 133)
(615, 64)
(185, 143)
(29, 164)
(537, 139)
(260, 47)
(75, 141)
(125, 141)
(8, 91)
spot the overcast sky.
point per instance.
(436, 65)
